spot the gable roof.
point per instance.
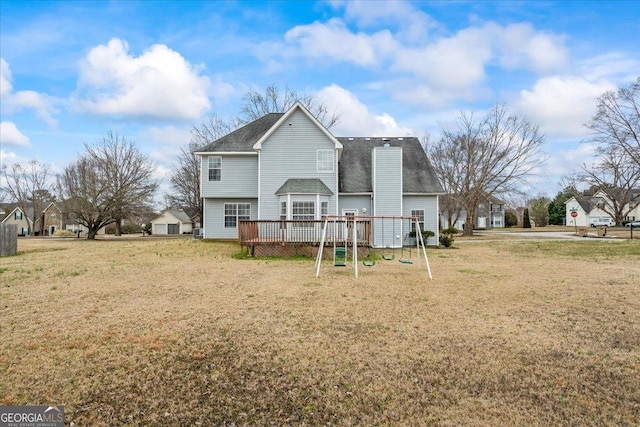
(285, 117)
(585, 202)
(178, 214)
(243, 139)
(304, 186)
(355, 166)
(25, 215)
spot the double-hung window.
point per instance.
(215, 168)
(283, 211)
(325, 161)
(324, 209)
(234, 212)
(419, 214)
(17, 215)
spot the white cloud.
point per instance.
(334, 41)
(355, 117)
(159, 83)
(521, 46)
(561, 104)
(10, 135)
(16, 101)
(441, 69)
(411, 25)
(5, 78)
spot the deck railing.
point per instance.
(301, 232)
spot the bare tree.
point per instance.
(30, 187)
(129, 174)
(613, 175)
(210, 129)
(185, 180)
(86, 194)
(485, 156)
(111, 181)
(257, 104)
(617, 121)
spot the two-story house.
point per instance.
(490, 213)
(288, 166)
(591, 209)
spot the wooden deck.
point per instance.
(298, 234)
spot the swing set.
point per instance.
(342, 231)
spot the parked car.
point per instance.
(635, 224)
(602, 221)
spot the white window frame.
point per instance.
(305, 215)
(419, 213)
(324, 208)
(325, 161)
(212, 167)
(234, 212)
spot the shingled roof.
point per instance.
(244, 138)
(304, 186)
(355, 165)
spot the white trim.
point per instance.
(401, 182)
(286, 116)
(225, 153)
(259, 184)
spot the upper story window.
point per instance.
(17, 215)
(325, 161)
(215, 168)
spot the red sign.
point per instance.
(574, 214)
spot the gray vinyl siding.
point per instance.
(355, 202)
(239, 177)
(387, 195)
(290, 152)
(430, 206)
(214, 218)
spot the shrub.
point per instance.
(447, 236)
(510, 219)
(425, 234)
(64, 233)
(526, 222)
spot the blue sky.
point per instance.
(72, 71)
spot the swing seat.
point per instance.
(368, 263)
(388, 257)
(406, 261)
(340, 255)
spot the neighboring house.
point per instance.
(21, 219)
(288, 166)
(53, 219)
(171, 222)
(489, 214)
(591, 209)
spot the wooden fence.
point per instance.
(8, 239)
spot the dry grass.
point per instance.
(177, 332)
